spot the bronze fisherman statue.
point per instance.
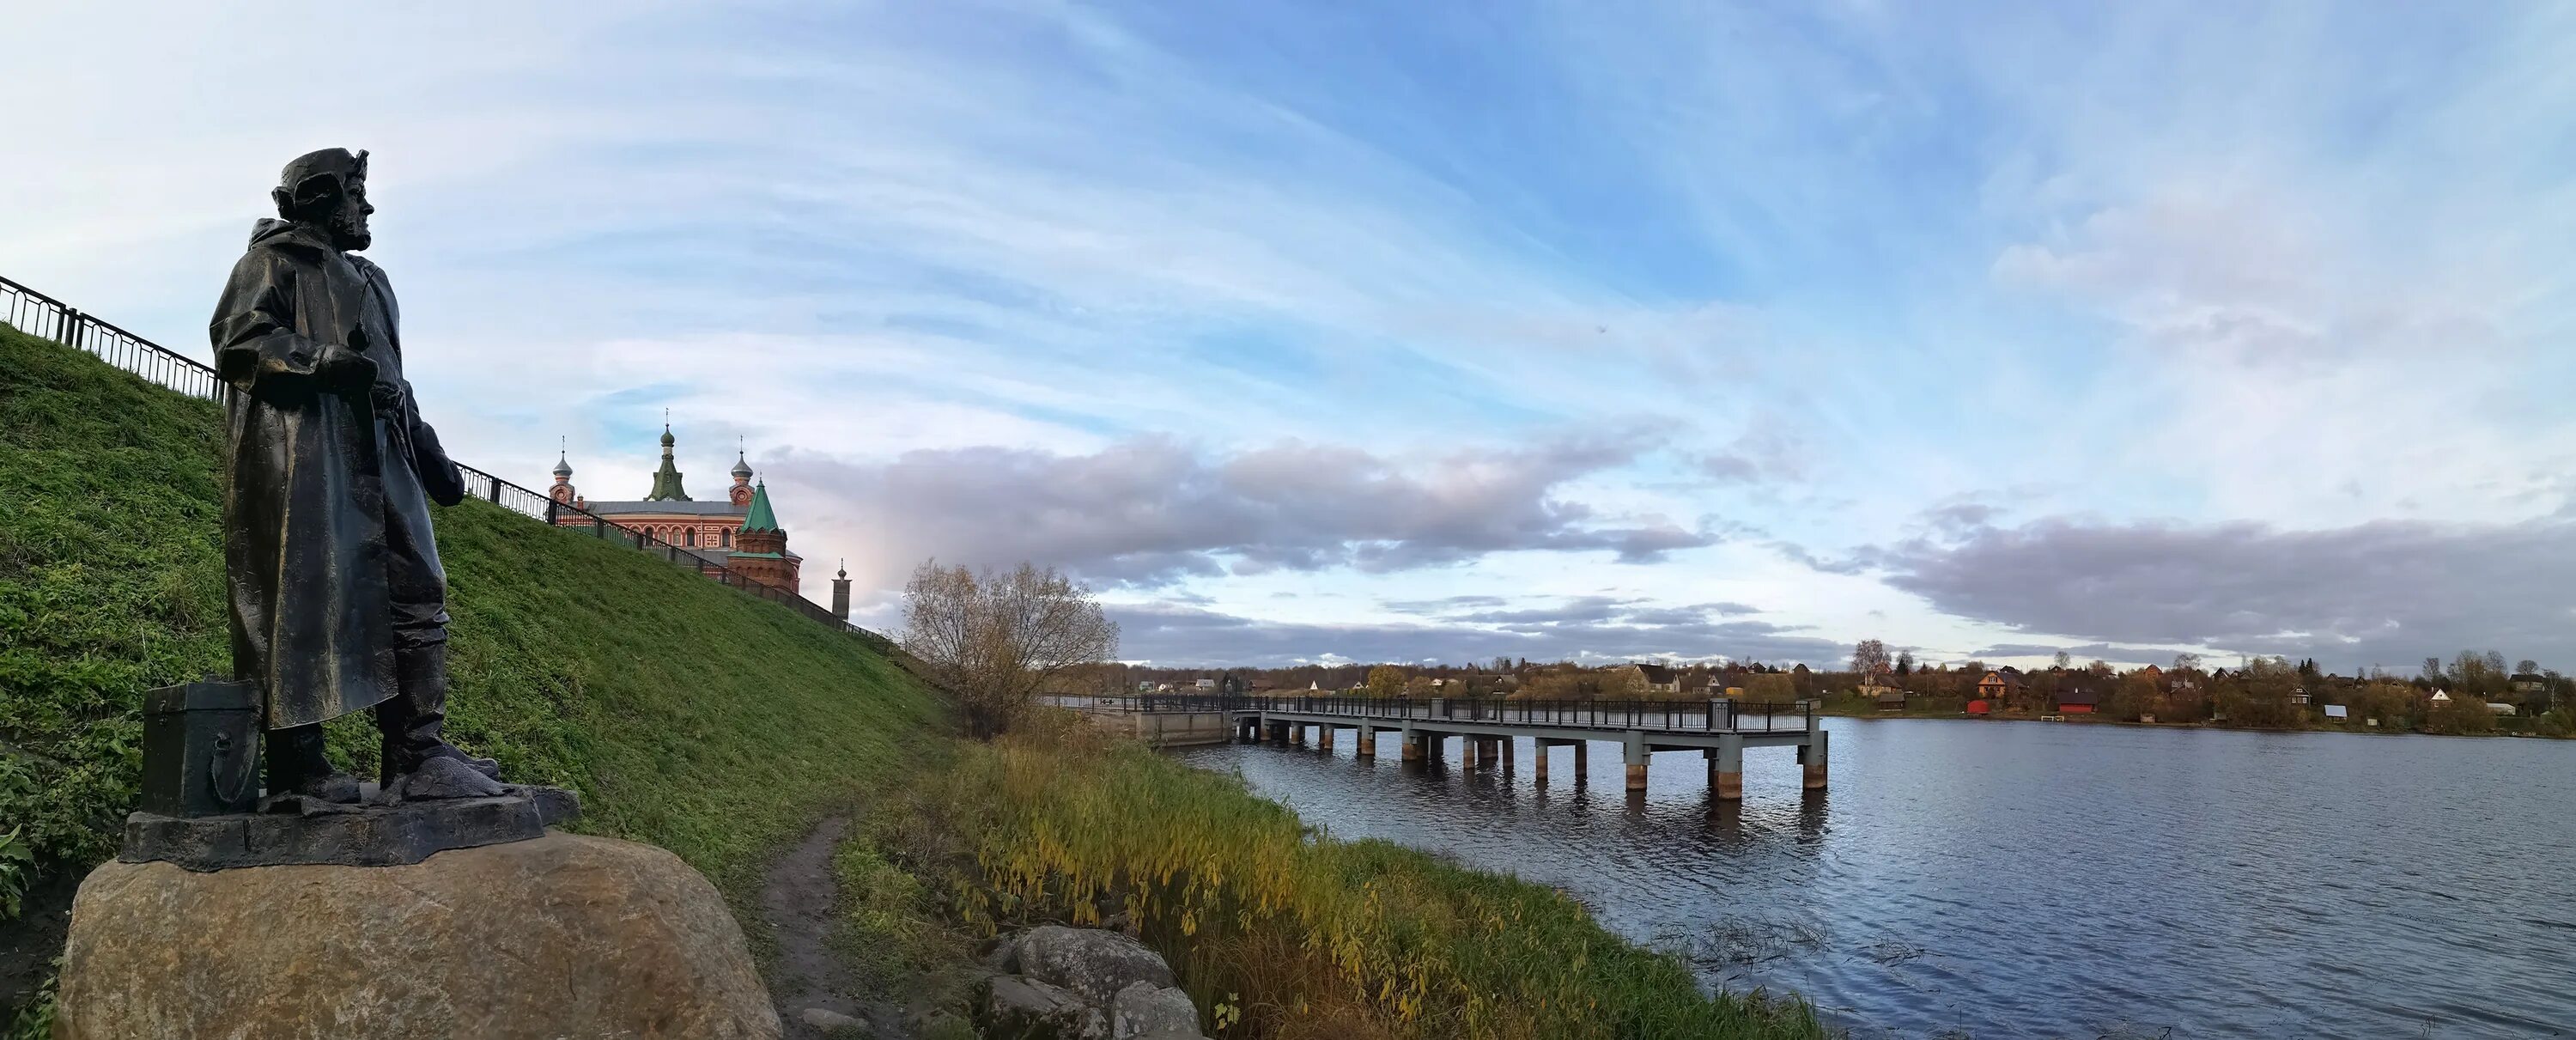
(338, 600)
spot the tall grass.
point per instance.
(1302, 936)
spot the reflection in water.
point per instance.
(2024, 879)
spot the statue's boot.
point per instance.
(298, 766)
(413, 724)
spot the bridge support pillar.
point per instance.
(1538, 760)
(1506, 744)
(1413, 742)
(1582, 760)
(1636, 758)
(1471, 751)
(1812, 755)
(1279, 733)
(1726, 769)
(1324, 739)
(1367, 746)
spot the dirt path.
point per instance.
(797, 902)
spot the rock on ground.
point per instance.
(559, 936)
(1018, 1008)
(828, 1020)
(1144, 1009)
(1092, 963)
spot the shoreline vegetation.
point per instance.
(1279, 931)
(1854, 706)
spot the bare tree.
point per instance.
(2063, 659)
(995, 638)
(2186, 662)
(1870, 657)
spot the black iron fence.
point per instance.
(37, 314)
(43, 316)
(1722, 715)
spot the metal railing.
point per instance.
(44, 317)
(1721, 715)
(37, 314)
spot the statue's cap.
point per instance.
(339, 164)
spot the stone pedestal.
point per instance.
(375, 833)
(557, 936)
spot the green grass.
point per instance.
(688, 715)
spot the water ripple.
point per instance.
(2030, 880)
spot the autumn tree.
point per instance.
(2395, 704)
(996, 638)
(1770, 688)
(2261, 694)
(1386, 680)
(2477, 673)
(2463, 713)
(2133, 697)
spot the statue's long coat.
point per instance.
(306, 559)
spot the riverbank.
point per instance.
(1282, 932)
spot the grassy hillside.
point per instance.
(687, 714)
(720, 726)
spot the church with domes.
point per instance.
(740, 533)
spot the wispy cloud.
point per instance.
(1522, 308)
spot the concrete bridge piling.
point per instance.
(1489, 730)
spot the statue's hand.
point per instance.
(344, 370)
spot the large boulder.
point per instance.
(1094, 964)
(557, 936)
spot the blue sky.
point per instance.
(1441, 331)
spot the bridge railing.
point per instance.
(44, 317)
(1721, 715)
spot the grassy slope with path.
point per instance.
(687, 714)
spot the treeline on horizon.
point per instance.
(2264, 692)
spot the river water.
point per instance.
(2025, 879)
